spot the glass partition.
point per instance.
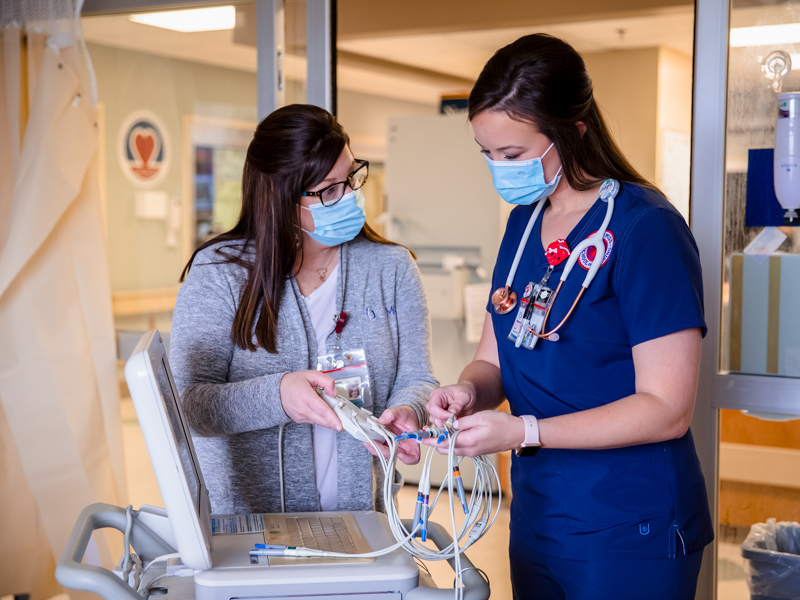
(760, 334)
(759, 341)
(177, 98)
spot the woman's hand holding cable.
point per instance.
(302, 404)
(459, 399)
(484, 432)
(397, 420)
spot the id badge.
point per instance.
(523, 304)
(350, 372)
(540, 302)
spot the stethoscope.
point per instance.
(504, 299)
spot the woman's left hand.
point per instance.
(397, 420)
(485, 432)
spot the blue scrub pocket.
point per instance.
(615, 494)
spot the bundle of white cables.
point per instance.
(479, 516)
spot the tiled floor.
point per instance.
(731, 576)
(490, 554)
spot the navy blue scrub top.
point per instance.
(646, 501)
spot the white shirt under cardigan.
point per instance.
(321, 305)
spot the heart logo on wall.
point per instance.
(144, 150)
(145, 143)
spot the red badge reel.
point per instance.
(557, 252)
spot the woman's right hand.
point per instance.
(458, 399)
(302, 404)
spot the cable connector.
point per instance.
(424, 518)
(450, 421)
(417, 512)
(477, 530)
(460, 488)
(175, 568)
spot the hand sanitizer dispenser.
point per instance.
(787, 154)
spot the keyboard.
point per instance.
(326, 533)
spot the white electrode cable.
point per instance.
(280, 466)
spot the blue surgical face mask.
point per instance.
(340, 223)
(522, 182)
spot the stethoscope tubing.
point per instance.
(595, 240)
(608, 193)
(523, 242)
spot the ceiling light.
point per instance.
(765, 35)
(198, 19)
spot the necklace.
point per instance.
(323, 272)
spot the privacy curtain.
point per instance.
(60, 432)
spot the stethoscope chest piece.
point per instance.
(504, 300)
(609, 189)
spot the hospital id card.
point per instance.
(523, 304)
(350, 372)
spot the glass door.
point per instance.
(745, 195)
(181, 87)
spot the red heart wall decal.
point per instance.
(144, 145)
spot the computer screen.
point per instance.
(181, 432)
(169, 444)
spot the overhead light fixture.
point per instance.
(765, 35)
(197, 19)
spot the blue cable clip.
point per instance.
(424, 518)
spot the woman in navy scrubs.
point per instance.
(608, 497)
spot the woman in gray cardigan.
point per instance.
(301, 275)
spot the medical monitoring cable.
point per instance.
(478, 509)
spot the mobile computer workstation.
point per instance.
(215, 562)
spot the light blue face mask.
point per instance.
(522, 182)
(340, 223)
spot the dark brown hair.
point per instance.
(293, 149)
(542, 80)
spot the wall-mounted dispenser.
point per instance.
(786, 163)
(786, 167)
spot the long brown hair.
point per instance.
(293, 149)
(542, 80)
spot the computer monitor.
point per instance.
(169, 444)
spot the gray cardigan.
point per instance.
(231, 396)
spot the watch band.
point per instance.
(530, 445)
(531, 430)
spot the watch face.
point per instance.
(528, 451)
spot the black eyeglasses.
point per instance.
(334, 192)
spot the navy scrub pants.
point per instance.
(617, 579)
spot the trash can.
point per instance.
(772, 560)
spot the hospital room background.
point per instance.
(403, 73)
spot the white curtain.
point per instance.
(60, 431)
